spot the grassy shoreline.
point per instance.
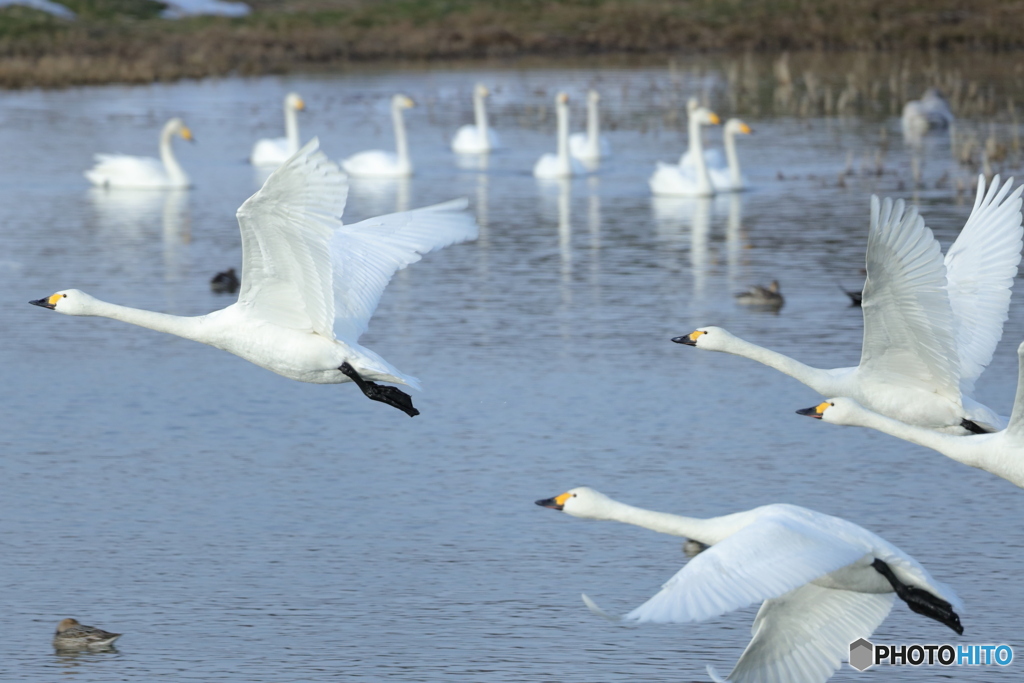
(125, 41)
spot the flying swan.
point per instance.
(479, 138)
(1001, 454)
(146, 173)
(309, 284)
(276, 151)
(930, 324)
(825, 582)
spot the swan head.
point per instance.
(737, 126)
(402, 102)
(561, 99)
(705, 116)
(68, 302)
(177, 127)
(293, 101)
(692, 105)
(710, 338)
(581, 501)
(594, 96)
(481, 90)
(840, 411)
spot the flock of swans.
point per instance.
(309, 285)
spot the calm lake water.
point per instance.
(239, 526)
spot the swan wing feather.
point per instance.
(805, 634)
(367, 254)
(773, 555)
(908, 320)
(980, 268)
(286, 234)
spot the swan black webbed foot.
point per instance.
(394, 397)
(921, 601)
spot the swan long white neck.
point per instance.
(593, 128)
(401, 146)
(187, 327)
(291, 127)
(822, 381)
(480, 113)
(729, 137)
(562, 111)
(708, 531)
(175, 173)
(697, 148)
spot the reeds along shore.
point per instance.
(126, 41)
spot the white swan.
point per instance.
(309, 284)
(590, 146)
(378, 163)
(562, 164)
(1001, 453)
(122, 170)
(478, 138)
(931, 111)
(725, 173)
(930, 325)
(676, 180)
(825, 582)
(276, 151)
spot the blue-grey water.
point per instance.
(238, 526)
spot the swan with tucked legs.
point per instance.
(144, 173)
(309, 284)
(1001, 453)
(824, 582)
(930, 324)
(694, 181)
(478, 137)
(377, 163)
(275, 151)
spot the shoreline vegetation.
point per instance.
(125, 41)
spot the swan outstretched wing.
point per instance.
(775, 554)
(805, 634)
(981, 267)
(908, 320)
(368, 253)
(286, 235)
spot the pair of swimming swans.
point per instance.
(309, 284)
(573, 149)
(824, 582)
(931, 324)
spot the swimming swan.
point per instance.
(71, 635)
(725, 173)
(677, 180)
(590, 146)
(478, 138)
(562, 164)
(276, 151)
(930, 325)
(123, 170)
(825, 582)
(377, 163)
(309, 284)
(1001, 453)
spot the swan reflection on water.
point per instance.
(377, 196)
(672, 215)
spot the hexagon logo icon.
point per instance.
(862, 654)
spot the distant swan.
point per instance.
(590, 146)
(824, 582)
(930, 325)
(306, 277)
(478, 138)
(561, 164)
(676, 180)
(147, 173)
(725, 173)
(276, 151)
(1001, 453)
(71, 635)
(378, 163)
(931, 111)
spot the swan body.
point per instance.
(931, 111)
(309, 284)
(562, 164)
(378, 163)
(824, 582)
(123, 170)
(479, 137)
(1001, 453)
(693, 181)
(272, 152)
(590, 146)
(71, 635)
(930, 324)
(724, 172)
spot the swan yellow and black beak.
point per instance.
(714, 119)
(745, 129)
(186, 134)
(815, 411)
(689, 339)
(556, 503)
(47, 302)
(300, 104)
